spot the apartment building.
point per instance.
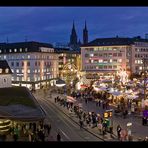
(33, 64)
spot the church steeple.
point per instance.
(85, 34)
(73, 36)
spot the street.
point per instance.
(69, 130)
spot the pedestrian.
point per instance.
(118, 131)
(81, 124)
(48, 128)
(58, 137)
(55, 99)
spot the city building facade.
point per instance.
(33, 64)
(111, 55)
(68, 59)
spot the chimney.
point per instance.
(146, 36)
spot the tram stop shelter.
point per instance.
(18, 105)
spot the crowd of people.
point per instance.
(30, 131)
(87, 119)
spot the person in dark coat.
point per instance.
(58, 137)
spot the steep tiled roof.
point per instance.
(4, 67)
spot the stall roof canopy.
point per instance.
(18, 103)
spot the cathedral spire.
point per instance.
(73, 36)
(85, 34)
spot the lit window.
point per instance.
(111, 60)
(23, 79)
(28, 79)
(5, 56)
(38, 70)
(12, 78)
(0, 70)
(119, 60)
(28, 56)
(17, 70)
(17, 78)
(22, 70)
(12, 70)
(140, 68)
(0, 51)
(91, 55)
(20, 49)
(15, 50)
(28, 70)
(26, 49)
(10, 50)
(7, 70)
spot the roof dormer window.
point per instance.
(6, 70)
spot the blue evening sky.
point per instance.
(53, 24)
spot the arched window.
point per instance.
(4, 80)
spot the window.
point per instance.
(35, 63)
(12, 64)
(115, 66)
(110, 67)
(119, 54)
(38, 63)
(15, 50)
(4, 80)
(12, 70)
(10, 50)
(17, 78)
(28, 56)
(26, 49)
(6, 70)
(91, 55)
(21, 49)
(22, 63)
(22, 70)
(105, 67)
(120, 60)
(28, 78)
(5, 56)
(28, 63)
(17, 64)
(28, 71)
(17, 70)
(0, 51)
(0, 70)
